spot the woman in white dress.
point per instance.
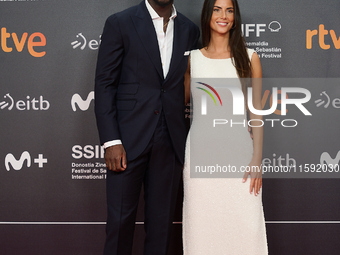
(223, 216)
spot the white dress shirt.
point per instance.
(165, 43)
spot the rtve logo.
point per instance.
(82, 104)
(322, 33)
(10, 160)
(34, 40)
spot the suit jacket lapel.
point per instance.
(178, 46)
(146, 31)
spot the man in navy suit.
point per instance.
(139, 105)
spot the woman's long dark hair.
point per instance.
(239, 53)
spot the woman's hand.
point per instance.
(255, 171)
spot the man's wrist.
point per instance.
(111, 143)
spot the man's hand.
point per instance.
(115, 158)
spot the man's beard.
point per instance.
(163, 3)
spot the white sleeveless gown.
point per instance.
(220, 216)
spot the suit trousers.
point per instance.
(160, 171)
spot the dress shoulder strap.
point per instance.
(194, 54)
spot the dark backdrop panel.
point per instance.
(53, 199)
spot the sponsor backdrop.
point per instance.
(52, 173)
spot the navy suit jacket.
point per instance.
(130, 90)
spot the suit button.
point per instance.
(156, 112)
(163, 90)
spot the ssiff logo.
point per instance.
(257, 29)
(34, 40)
(82, 104)
(17, 164)
(88, 151)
